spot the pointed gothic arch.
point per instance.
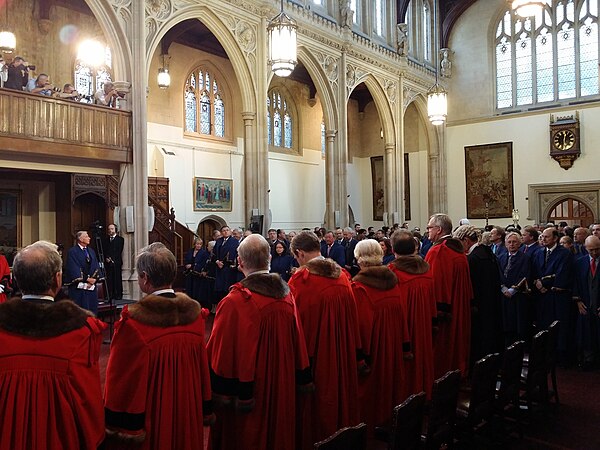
(226, 39)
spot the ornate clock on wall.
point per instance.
(565, 140)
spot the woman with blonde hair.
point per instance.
(384, 335)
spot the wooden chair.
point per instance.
(441, 417)
(508, 386)
(476, 405)
(349, 438)
(551, 357)
(534, 380)
(407, 422)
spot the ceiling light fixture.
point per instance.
(282, 44)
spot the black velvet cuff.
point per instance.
(124, 420)
(303, 376)
(231, 386)
(406, 347)
(444, 307)
(207, 407)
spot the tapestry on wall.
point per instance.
(489, 180)
(377, 178)
(212, 194)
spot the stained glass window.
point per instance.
(204, 104)
(280, 121)
(323, 141)
(84, 81)
(552, 56)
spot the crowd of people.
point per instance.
(338, 338)
(17, 75)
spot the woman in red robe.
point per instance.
(4, 278)
(383, 334)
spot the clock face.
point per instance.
(563, 139)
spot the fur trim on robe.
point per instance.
(324, 268)
(41, 320)
(377, 277)
(412, 264)
(452, 244)
(267, 284)
(163, 312)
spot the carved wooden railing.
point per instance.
(49, 127)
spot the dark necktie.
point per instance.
(547, 256)
(87, 255)
(508, 265)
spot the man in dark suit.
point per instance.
(514, 274)
(579, 236)
(587, 294)
(552, 269)
(113, 258)
(226, 256)
(82, 271)
(349, 244)
(333, 250)
(530, 241)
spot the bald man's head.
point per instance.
(254, 253)
(592, 245)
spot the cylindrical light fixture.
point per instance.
(164, 79)
(528, 8)
(8, 42)
(437, 104)
(282, 44)
(437, 98)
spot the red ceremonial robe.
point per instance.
(453, 295)
(385, 343)
(327, 310)
(416, 285)
(157, 378)
(257, 356)
(50, 395)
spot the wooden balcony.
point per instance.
(39, 128)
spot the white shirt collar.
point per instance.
(37, 297)
(472, 248)
(163, 291)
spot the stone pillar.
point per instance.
(392, 181)
(438, 196)
(330, 190)
(340, 160)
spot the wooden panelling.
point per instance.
(49, 127)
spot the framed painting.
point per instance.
(212, 194)
(10, 223)
(377, 177)
(489, 180)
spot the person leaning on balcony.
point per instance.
(41, 85)
(107, 95)
(69, 93)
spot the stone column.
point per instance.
(330, 189)
(392, 181)
(340, 159)
(438, 196)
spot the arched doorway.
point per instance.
(573, 211)
(207, 226)
(88, 210)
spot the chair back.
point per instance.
(551, 344)
(510, 374)
(483, 387)
(442, 413)
(407, 422)
(349, 438)
(537, 354)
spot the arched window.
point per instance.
(572, 211)
(88, 80)
(548, 58)
(323, 139)
(420, 27)
(282, 124)
(204, 104)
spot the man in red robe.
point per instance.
(383, 334)
(327, 310)
(415, 282)
(453, 294)
(157, 390)
(257, 356)
(49, 376)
